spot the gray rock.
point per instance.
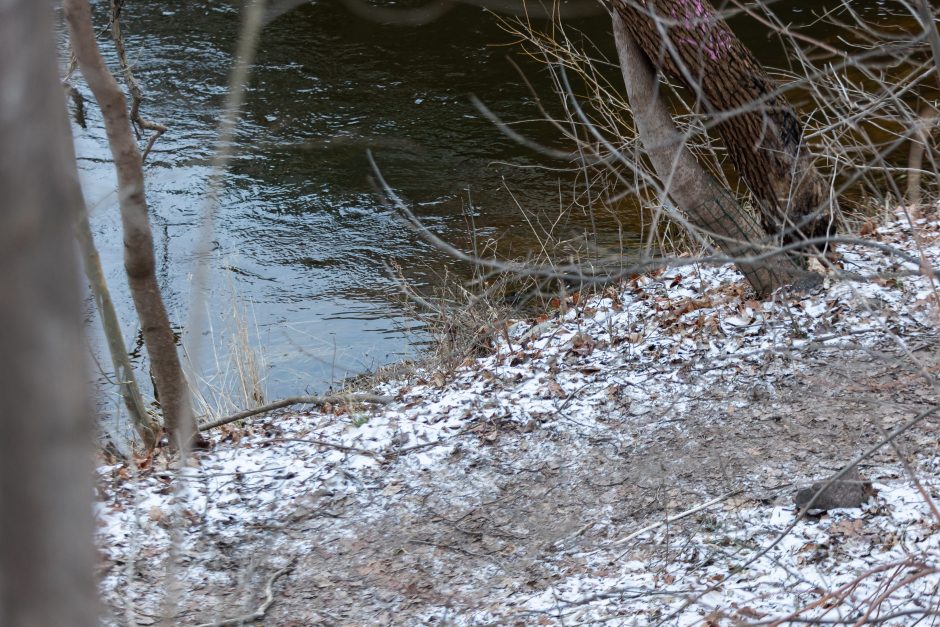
(851, 490)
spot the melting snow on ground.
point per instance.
(611, 363)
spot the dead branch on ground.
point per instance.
(262, 609)
(316, 401)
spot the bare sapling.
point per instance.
(139, 261)
(146, 426)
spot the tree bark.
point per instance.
(708, 206)
(147, 428)
(691, 43)
(139, 259)
(47, 554)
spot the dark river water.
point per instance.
(303, 244)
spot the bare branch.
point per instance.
(262, 609)
(137, 94)
(315, 401)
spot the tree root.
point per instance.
(259, 613)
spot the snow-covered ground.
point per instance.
(517, 489)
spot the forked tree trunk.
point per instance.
(47, 555)
(708, 207)
(139, 259)
(689, 41)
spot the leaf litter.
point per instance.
(502, 492)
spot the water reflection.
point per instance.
(302, 238)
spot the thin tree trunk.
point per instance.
(707, 205)
(147, 428)
(137, 94)
(138, 242)
(690, 42)
(47, 554)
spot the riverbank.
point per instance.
(521, 487)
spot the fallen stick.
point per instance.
(317, 401)
(259, 613)
(333, 445)
(667, 520)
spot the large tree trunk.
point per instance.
(688, 40)
(139, 259)
(709, 208)
(47, 553)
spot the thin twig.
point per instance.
(668, 520)
(575, 272)
(317, 401)
(259, 613)
(909, 469)
(826, 600)
(137, 94)
(326, 444)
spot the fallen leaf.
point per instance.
(750, 612)
(847, 527)
(392, 489)
(555, 388)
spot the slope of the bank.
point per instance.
(524, 487)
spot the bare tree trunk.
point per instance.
(920, 141)
(138, 241)
(47, 553)
(707, 205)
(147, 428)
(689, 41)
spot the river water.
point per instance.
(303, 244)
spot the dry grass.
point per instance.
(237, 380)
(464, 314)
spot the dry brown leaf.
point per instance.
(847, 527)
(556, 389)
